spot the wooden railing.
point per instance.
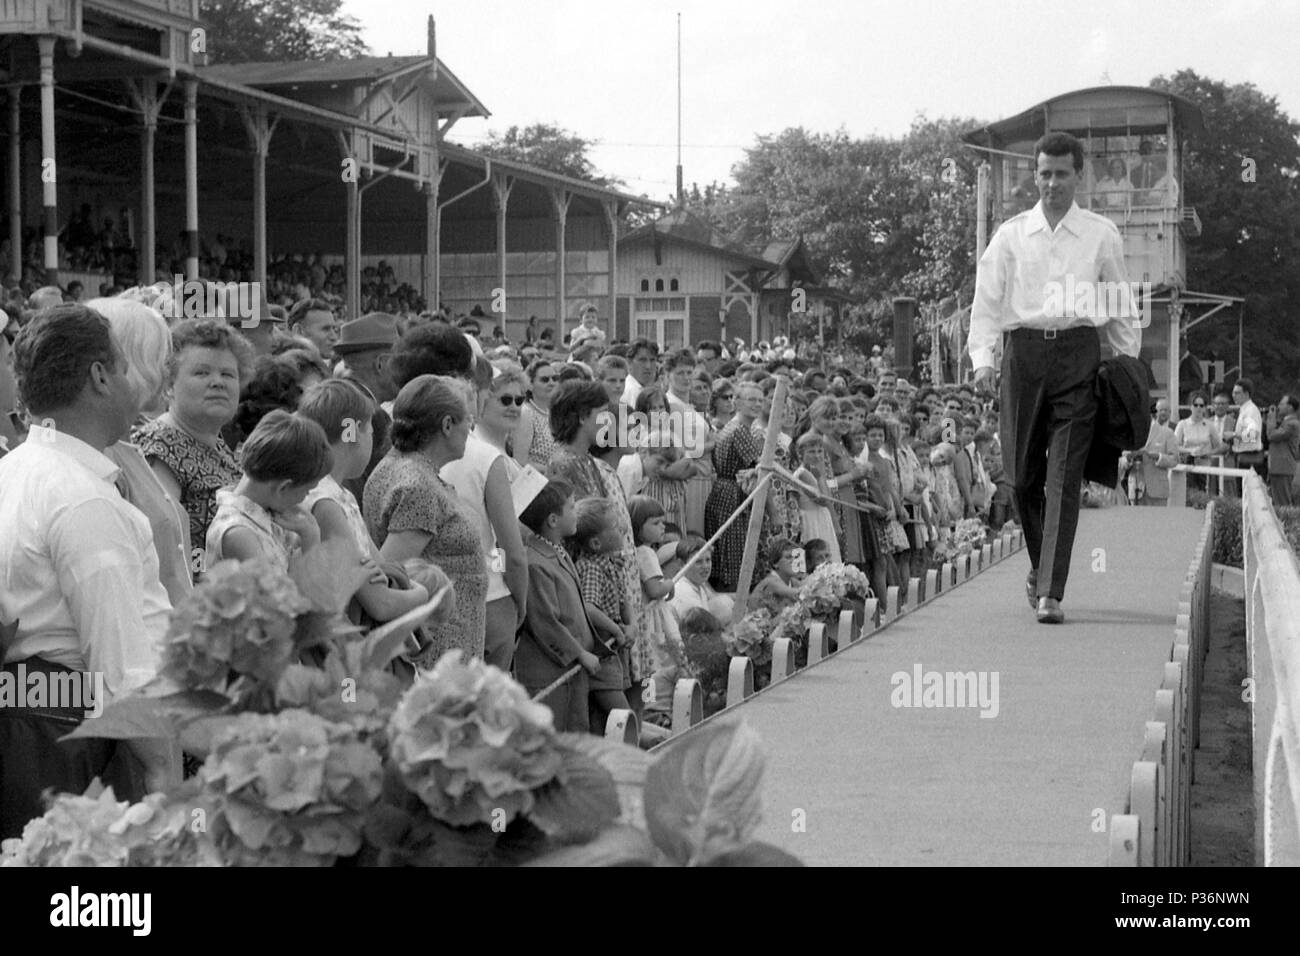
(1155, 828)
(850, 628)
(1273, 667)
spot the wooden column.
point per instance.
(260, 127)
(560, 199)
(147, 251)
(501, 186)
(149, 103)
(49, 167)
(760, 501)
(15, 185)
(611, 225)
(352, 242)
(192, 178)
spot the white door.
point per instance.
(662, 319)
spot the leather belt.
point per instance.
(1051, 334)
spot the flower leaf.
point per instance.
(702, 796)
(578, 803)
(614, 846)
(384, 643)
(756, 853)
(137, 718)
(626, 764)
(330, 574)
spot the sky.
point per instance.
(606, 69)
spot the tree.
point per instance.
(548, 146)
(251, 31)
(1243, 178)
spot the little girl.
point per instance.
(344, 413)
(947, 497)
(779, 588)
(283, 459)
(658, 624)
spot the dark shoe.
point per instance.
(1049, 611)
(1031, 590)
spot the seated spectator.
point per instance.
(694, 590)
(82, 593)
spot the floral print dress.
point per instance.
(201, 470)
(405, 493)
(738, 448)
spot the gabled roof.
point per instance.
(538, 174)
(792, 254)
(359, 71)
(684, 227)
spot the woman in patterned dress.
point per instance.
(822, 452)
(697, 488)
(737, 449)
(665, 466)
(574, 425)
(183, 446)
(413, 514)
(532, 442)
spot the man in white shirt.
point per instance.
(643, 369)
(79, 586)
(1248, 436)
(1052, 354)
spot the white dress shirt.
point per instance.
(1024, 256)
(1248, 436)
(78, 568)
(631, 391)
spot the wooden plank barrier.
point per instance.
(871, 616)
(782, 659)
(622, 725)
(893, 602)
(846, 633)
(987, 553)
(914, 596)
(949, 575)
(932, 585)
(1125, 840)
(1144, 804)
(688, 704)
(819, 642)
(740, 680)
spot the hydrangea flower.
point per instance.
(291, 788)
(75, 831)
(751, 637)
(827, 588)
(468, 741)
(240, 618)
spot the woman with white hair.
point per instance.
(142, 335)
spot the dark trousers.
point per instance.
(33, 758)
(1048, 410)
(1279, 486)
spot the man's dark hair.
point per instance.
(287, 447)
(713, 347)
(639, 344)
(571, 403)
(1224, 391)
(1247, 386)
(54, 352)
(303, 306)
(434, 349)
(1060, 144)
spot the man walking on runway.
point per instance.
(1032, 286)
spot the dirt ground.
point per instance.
(1223, 812)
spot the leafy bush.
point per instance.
(1227, 526)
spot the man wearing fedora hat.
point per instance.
(364, 347)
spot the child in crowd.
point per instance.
(880, 500)
(694, 591)
(667, 550)
(263, 517)
(344, 413)
(947, 497)
(816, 553)
(557, 632)
(600, 577)
(781, 586)
(658, 624)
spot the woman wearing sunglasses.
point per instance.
(482, 479)
(532, 442)
(1195, 438)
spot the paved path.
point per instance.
(884, 785)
